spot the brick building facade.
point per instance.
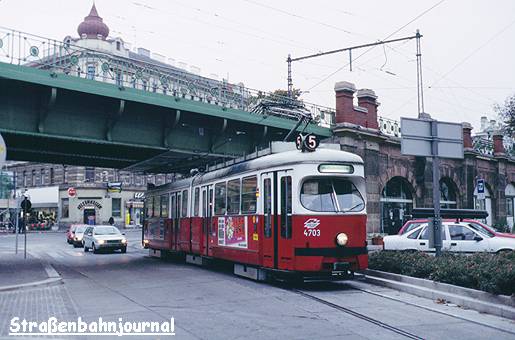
(396, 183)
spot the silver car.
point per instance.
(78, 236)
(104, 237)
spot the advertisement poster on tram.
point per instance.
(232, 232)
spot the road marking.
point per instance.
(50, 271)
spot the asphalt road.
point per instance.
(212, 303)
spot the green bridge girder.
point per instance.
(57, 118)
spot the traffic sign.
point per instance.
(419, 135)
(72, 192)
(480, 188)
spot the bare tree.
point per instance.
(507, 113)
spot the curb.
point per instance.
(53, 279)
(480, 301)
(43, 283)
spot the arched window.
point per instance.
(396, 204)
(448, 194)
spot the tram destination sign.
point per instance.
(427, 138)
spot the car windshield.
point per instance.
(331, 194)
(80, 229)
(106, 231)
(411, 226)
(482, 230)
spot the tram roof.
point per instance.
(270, 161)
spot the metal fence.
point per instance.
(130, 70)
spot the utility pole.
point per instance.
(437, 220)
(289, 60)
(420, 86)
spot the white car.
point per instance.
(460, 237)
(104, 237)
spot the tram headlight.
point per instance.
(341, 239)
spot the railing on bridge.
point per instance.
(485, 145)
(128, 69)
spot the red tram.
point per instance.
(284, 213)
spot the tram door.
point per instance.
(269, 236)
(175, 220)
(207, 200)
(277, 213)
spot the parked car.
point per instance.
(71, 233)
(78, 236)
(463, 237)
(412, 224)
(104, 237)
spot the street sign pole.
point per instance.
(24, 209)
(431, 138)
(437, 221)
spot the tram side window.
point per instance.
(233, 196)
(220, 198)
(156, 208)
(248, 195)
(150, 206)
(164, 205)
(267, 207)
(286, 207)
(174, 206)
(184, 210)
(196, 202)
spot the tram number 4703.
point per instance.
(312, 232)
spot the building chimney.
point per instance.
(368, 100)
(467, 136)
(344, 101)
(498, 138)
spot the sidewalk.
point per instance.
(17, 272)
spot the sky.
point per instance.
(468, 52)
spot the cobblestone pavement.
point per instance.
(38, 304)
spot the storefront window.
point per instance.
(65, 208)
(116, 207)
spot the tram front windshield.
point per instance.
(331, 194)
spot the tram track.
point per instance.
(384, 325)
(358, 315)
(434, 310)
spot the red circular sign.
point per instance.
(72, 192)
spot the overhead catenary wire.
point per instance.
(371, 48)
(480, 47)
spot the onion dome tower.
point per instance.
(93, 26)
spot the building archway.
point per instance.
(448, 193)
(509, 194)
(396, 204)
(484, 204)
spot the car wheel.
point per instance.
(86, 249)
(124, 250)
(95, 250)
